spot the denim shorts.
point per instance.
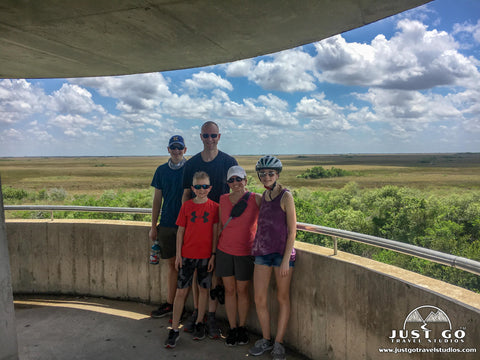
(274, 259)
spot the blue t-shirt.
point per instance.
(216, 169)
(170, 182)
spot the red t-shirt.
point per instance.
(198, 220)
(237, 237)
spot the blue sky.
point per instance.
(406, 84)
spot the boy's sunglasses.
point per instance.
(270, 173)
(233, 179)
(204, 186)
(213, 136)
(176, 147)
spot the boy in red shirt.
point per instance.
(196, 243)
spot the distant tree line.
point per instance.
(318, 172)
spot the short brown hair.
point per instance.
(199, 175)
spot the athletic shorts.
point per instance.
(274, 259)
(185, 273)
(230, 265)
(167, 240)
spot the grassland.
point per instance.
(93, 175)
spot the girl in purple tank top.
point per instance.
(273, 250)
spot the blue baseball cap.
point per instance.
(176, 139)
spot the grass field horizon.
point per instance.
(95, 174)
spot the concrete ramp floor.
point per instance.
(94, 328)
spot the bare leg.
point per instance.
(243, 301)
(261, 281)
(230, 300)
(178, 304)
(171, 280)
(195, 291)
(283, 297)
(202, 303)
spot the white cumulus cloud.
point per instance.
(19, 99)
(73, 99)
(287, 71)
(204, 80)
(133, 92)
(415, 58)
(322, 114)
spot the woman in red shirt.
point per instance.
(234, 263)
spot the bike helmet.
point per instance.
(269, 162)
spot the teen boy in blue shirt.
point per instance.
(167, 182)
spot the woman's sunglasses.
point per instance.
(213, 136)
(176, 147)
(270, 173)
(204, 186)
(233, 179)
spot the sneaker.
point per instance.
(242, 336)
(212, 327)
(199, 333)
(163, 310)
(189, 325)
(278, 352)
(231, 339)
(172, 339)
(260, 347)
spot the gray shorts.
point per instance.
(185, 273)
(167, 240)
(230, 265)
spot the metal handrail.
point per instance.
(397, 246)
(53, 208)
(79, 208)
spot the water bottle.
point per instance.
(155, 253)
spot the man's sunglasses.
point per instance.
(233, 179)
(176, 147)
(213, 136)
(204, 186)
(270, 173)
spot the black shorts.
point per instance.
(185, 273)
(230, 265)
(167, 240)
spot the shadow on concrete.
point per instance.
(94, 328)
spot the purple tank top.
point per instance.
(272, 232)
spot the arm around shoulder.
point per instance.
(258, 199)
(187, 195)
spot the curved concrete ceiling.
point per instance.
(51, 38)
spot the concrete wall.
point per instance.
(8, 333)
(343, 307)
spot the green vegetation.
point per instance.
(431, 201)
(318, 172)
(55, 196)
(449, 223)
